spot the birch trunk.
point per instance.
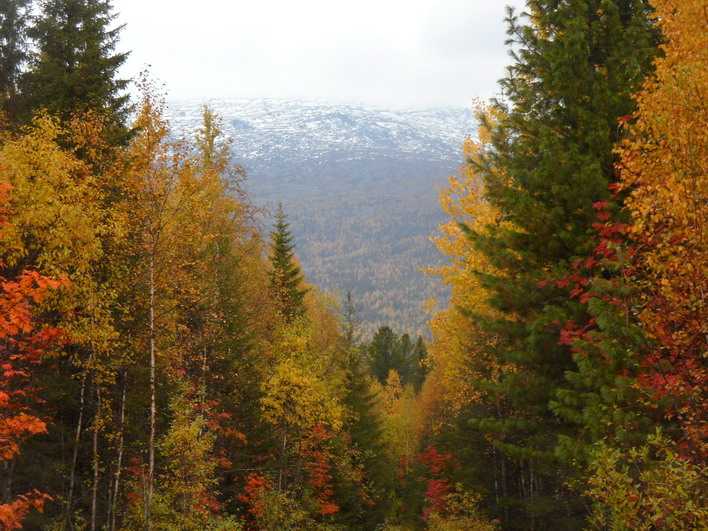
(119, 460)
(75, 457)
(96, 463)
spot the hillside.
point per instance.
(358, 185)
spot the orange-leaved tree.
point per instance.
(664, 168)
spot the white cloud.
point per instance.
(380, 52)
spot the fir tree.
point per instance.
(385, 354)
(369, 451)
(76, 66)
(14, 18)
(387, 351)
(285, 275)
(366, 435)
(576, 66)
(350, 321)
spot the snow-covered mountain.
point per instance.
(358, 184)
(268, 129)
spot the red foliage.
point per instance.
(319, 469)
(12, 514)
(672, 370)
(256, 486)
(436, 461)
(436, 496)
(438, 488)
(23, 347)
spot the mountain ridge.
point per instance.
(358, 184)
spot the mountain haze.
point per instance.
(358, 185)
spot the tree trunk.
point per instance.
(153, 405)
(282, 463)
(119, 459)
(9, 467)
(75, 457)
(96, 463)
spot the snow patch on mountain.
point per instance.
(269, 129)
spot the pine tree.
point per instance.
(14, 18)
(75, 67)
(576, 66)
(285, 275)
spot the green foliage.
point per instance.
(187, 486)
(14, 51)
(601, 397)
(285, 275)
(279, 510)
(387, 351)
(551, 156)
(365, 503)
(647, 487)
(75, 67)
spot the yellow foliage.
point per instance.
(647, 488)
(53, 199)
(63, 223)
(298, 394)
(400, 418)
(296, 398)
(457, 344)
(462, 513)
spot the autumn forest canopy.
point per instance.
(166, 365)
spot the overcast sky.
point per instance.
(388, 53)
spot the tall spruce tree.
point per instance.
(75, 67)
(285, 275)
(576, 65)
(364, 429)
(14, 18)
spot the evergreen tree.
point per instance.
(366, 433)
(350, 323)
(363, 504)
(418, 369)
(285, 275)
(14, 17)
(75, 67)
(385, 354)
(387, 351)
(576, 66)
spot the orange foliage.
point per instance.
(319, 469)
(12, 514)
(256, 487)
(664, 168)
(23, 347)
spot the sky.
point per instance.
(384, 53)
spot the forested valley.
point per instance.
(166, 365)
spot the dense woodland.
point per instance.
(166, 366)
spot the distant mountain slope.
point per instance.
(359, 186)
